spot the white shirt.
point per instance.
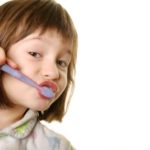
(30, 134)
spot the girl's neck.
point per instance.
(11, 115)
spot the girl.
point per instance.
(38, 38)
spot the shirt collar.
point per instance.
(21, 128)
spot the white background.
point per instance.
(110, 106)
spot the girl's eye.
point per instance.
(35, 54)
(62, 63)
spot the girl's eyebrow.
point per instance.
(38, 37)
(33, 37)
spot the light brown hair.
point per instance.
(19, 18)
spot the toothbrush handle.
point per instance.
(17, 74)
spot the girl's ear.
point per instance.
(2, 56)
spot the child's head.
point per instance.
(22, 18)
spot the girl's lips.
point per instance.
(49, 84)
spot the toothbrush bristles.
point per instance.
(47, 92)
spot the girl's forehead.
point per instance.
(48, 34)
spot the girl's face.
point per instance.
(45, 59)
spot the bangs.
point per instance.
(26, 18)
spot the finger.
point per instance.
(2, 56)
(12, 63)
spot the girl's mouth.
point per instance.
(49, 84)
(52, 86)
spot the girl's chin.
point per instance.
(42, 106)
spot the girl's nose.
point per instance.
(50, 71)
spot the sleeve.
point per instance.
(72, 148)
(56, 141)
(66, 145)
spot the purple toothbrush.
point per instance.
(45, 91)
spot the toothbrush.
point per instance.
(45, 91)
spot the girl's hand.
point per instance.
(4, 60)
(2, 56)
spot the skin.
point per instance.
(42, 58)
